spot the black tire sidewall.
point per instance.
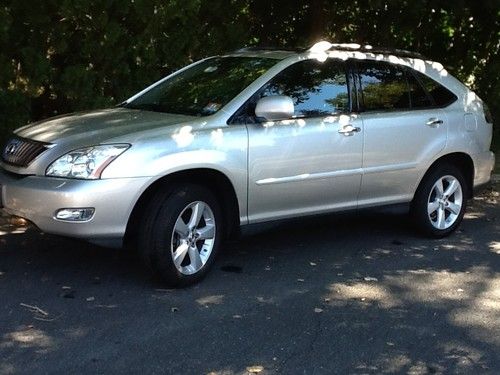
(159, 227)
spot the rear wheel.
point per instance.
(181, 234)
(440, 201)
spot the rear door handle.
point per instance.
(433, 122)
(348, 130)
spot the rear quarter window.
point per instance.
(441, 95)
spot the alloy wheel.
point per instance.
(193, 237)
(445, 202)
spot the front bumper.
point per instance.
(37, 199)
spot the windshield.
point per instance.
(204, 88)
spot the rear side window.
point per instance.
(440, 94)
(317, 88)
(384, 86)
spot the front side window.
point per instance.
(384, 86)
(204, 88)
(317, 89)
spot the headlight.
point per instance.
(86, 163)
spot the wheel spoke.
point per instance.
(194, 255)
(432, 206)
(206, 233)
(180, 253)
(439, 187)
(441, 222)
(454, 208)
(181, 228)
(197, 213)
(452, 188)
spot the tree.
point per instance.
(64, 55)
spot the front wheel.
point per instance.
(440, 201)
(181, 234)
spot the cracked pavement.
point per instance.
(351, 293)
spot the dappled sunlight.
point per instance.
(210, 300)
(184, 136)
(436, 287)
(495, 247)
(473, 215)
(480, 311)
(217, 137)
(361, 292)
(393, 364)
(465, 359)
(321, 52)
(291, 122)
(472, 102)
(28, 338)
(345, 120)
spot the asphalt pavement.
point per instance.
(349, 294)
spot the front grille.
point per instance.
(21, 152)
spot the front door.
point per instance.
(310, 163)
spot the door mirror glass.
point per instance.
(275, 107)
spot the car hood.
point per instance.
(99, 126)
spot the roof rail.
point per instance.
(269, 48)
(325, 46)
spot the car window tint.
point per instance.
(317, 88)
(441, 95)
(418, 96)
(384, 86)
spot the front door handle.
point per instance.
(433, 122)
(349, 130)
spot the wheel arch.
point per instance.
(462, 161)
(217, 182)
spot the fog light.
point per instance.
(75, 214)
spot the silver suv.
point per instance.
(248, 137)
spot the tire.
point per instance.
(440, 201)
(181, 234)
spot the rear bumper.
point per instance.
(483, 166)
(38, 198)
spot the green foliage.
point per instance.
(59, 56)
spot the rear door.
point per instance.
(403, 129)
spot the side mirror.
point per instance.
(276, 107)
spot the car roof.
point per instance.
(325, 47)
(345, 51)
